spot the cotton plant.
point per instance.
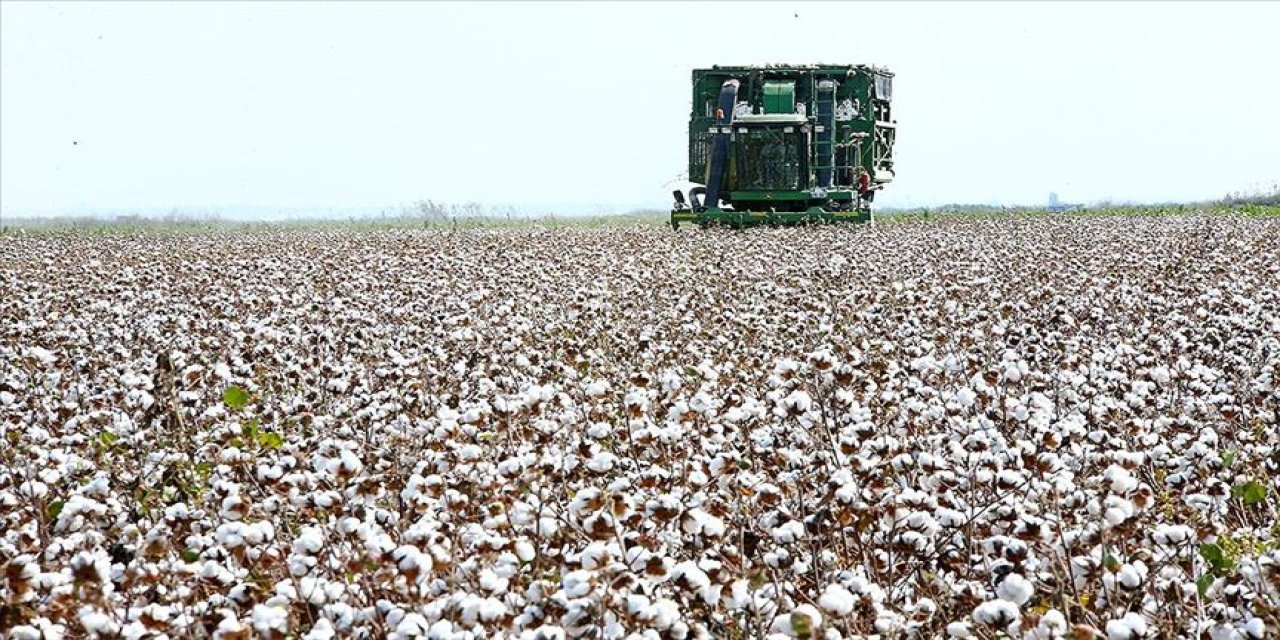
(1043, 428)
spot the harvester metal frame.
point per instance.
(787, 144)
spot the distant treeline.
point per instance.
(131, 220)
(1266, 196)
(430, 212)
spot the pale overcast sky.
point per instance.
(163, 105)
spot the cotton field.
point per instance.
(1038, 428)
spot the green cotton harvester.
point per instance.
(781, 144)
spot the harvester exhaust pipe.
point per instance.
(825, 147)
(720, 148)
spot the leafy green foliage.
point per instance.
(1229, 458)
(54, 509)
(107, 438)
(270, 440)
(267, 439)
(802, 626)
(1203, 583)
(235, 397)
(1111, 563)
(1216, 557)
(1250, 493)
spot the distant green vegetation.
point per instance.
(982, 212)
(1268, 206)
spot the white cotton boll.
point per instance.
(413, 625)
(712, 526)
(490, 609)
(24, 632)
(577, 584)
(789, 532)
(602, 461)
(410, 558)
(43, 355)
(309, 540)
(349, 525)
(1254, 629)
(525, 551)
(1172, 535)
(1131, 576)
(300, 565)
(798, 401)
(49, 630)
(837, 600)
(178, 511)
(805, 620)
(693, 578)
(636, 399)
(286, 591)
(703, 404)
(97, 623)
(321, 630)
(491, 582)
(211, 570)
(230, 534)
(234, 507)
(1015, 588)
(23, 569)
(548, 526)
(1122, 482)
(350, 464)
(100, 487)
(230, 627)
(546, 632)
(639, 606)
(996, 613)
(959, 630)
(1053, 620)
(1131, 627)
(665, 614)
(33, 489)
(888, 623)
(96, 566)
(699, 522)
(267, 618)
(949, 517)
(586, 502)
(270, 472)
(1117, 510)
(737, 596)
(1223, 631)
(312, 590)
